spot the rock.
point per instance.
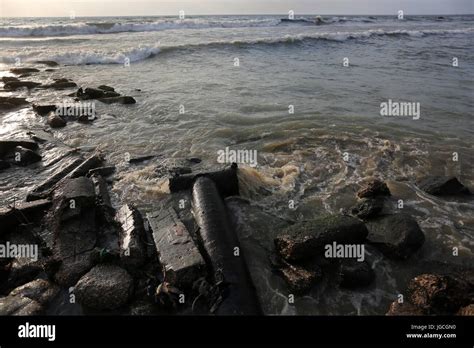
(14, 85)
(398, 236)
(102, 171)
(17, 305)
(23, 156)
(90, 93)
(178, 254)
(30, 211)
(104, 287)
(373, 188)
(466, 311)
(307, 239)
(106, 88)
(44, 109)
(47, 62)
(101, 191)
(78, 194)
(40, 290)
(140, 159)
(118, 100)
(4, 165)
(368, 208)
(354, 274)
(6, 79)
(56, 121)
(6, 145)
(403, 309)
(440, 294)
(442, 185)
(9, 103)
(60, 85)
(194, 160)
(132, 236)
(300, 280)
(21, 71)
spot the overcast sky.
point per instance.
(62, 8)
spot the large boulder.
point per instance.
(440, 294)
(14, 85)
(105, 287)
(307, 239)
(442, 185)
(22, 156)
(6, 145)
(132, 236)
(22, 71)
(18, 305)
(398, 236)
(41, 290)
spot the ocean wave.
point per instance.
(88, 28)
(146, 51)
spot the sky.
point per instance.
(64, 8)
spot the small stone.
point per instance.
(56, 121)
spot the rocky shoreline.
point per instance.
(184, 257)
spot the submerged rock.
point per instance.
(49, 63)
(440, 294)
(368, 208)
(373, 188)
(44, 109)
(397, 236)
(354, 274)
(442, 185)
(300, 279)
(56, 121)
(117, 100)
(104, 287)
(307, 239)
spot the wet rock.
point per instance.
(104, 287)
(56, 121)
(6, 79)
(466, 311)
(17, 305)
(403, 309)
(442, 185)
(300, 280)
(9, 103)
(4, 165)
(6, 145)
(22, 212)
(368, 208)
(102, 171)
(21, 71)
(307, 239)
(132, 236)
(194, 160)
(106, 88)
(101, 191)
(90, 93)
(14, 85)
(22, 156)
(373, 188)
(49, 63)
(140, 159)
(178, 254)
(94, 161)
(398, 236)
(44, 109)
(78, 194)
(41, 290)
(354, 274)
(60, 84)
(118, 100)
(440, 294)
